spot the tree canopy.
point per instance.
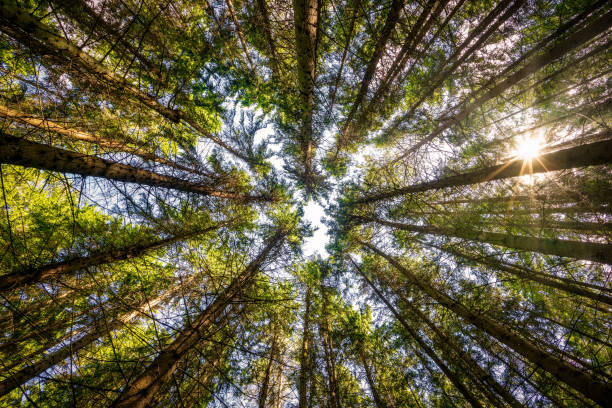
(159, 162)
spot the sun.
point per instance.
(529, 148)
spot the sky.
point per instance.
(314, 245)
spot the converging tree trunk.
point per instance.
(535, 64)
(140, 391)
(273, 356)
(580, 380)
(133, 147)
(25, 28)
(592, 251)
(99, 330)
(564, 284)
(25, 153)
(305, 364)
(306, 20)
(591, 154)
(392, 18)
(43, 273)
(471, 398)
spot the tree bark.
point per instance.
(378, 401)
(305, 369)
(262, 13)
(29, 372)
(594, 29)
(263, 392)
(347, 45)
(459, 56)
(91, 22)
(39, 38)
(80, 135)
(564, 284)
(450, 347)
(330, 358)
(306, 20)
(423, 345)
(591, 251)
(230, 7)
(577, 379)
(43, 273)
(140, 391)
(432, 8)
(22, 152)
(591, 154)
(385, 34)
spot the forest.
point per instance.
(306, 203)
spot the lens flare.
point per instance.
(529, 148)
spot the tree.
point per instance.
(164, 165)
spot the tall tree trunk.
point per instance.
(99, 330)
(305, 365)
(423, 345)
(594, 29)
(432, 8)
(379, 48)
(591, 154)
(592, 251)
(461, 54)
(140, 391)
(230, 7)
(22, 152)
(43, 273)
(261, 9)
(444, 342)
(91, 22)
(575, 21)
(450, 348)
(80, 135)
(567, 285)
(579, 380)
(279, 382)
(378, 401)
(263, 392)
(306, 20)
(330, 358)
(347, 45)
(25, 28)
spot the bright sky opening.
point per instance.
(314, 245)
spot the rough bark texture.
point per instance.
(594, 29)
(80, 135)
(592, 251)
(29, 31)
(591, 154)
(43, 273)
(306, 15)
(31, 154)
(581, 381)
(100, 329)
(140, 392)
(305, 354)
